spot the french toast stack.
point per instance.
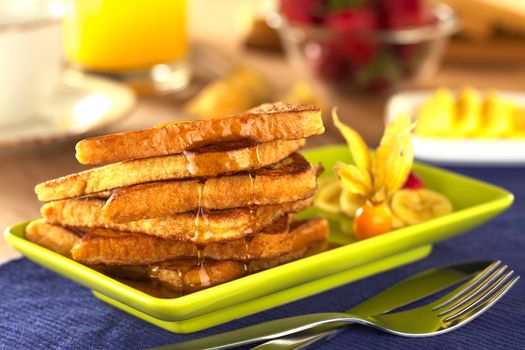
(189, 205)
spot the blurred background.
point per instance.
(71, 69)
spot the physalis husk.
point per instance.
(379, 176)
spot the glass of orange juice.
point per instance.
(144, 43)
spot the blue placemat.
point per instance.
(39, 309)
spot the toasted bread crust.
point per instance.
(204, 162)
(188, 276)
(266, 124)
(52, 237)
(183, 276)
(290, 180)
(223, 225)
(108, 247)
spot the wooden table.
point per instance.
(213, 24)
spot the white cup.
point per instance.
(30, 57)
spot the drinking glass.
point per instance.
(143, 43)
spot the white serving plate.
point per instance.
(458, 151)
(81, 104)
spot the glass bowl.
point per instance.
(371, 61)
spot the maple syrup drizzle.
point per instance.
(181, 277)
(202, 220)
(246, 250)
(204, 278)
(191, 165)
(202, 229)
(154, 288)
(225, 158)
(252, 207)
(154, 271)
(197, 221)
(202, 223)
(252, 204)
(202, 226)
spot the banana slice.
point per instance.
(415, 206)
(397, 222)
(497, 116)
(350, 202)
(327, 198)
(436, 116)
(469, 107)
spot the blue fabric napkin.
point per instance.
(39, 309)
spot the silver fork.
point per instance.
(446, 314)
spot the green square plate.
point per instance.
(474, 202)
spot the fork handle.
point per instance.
(300, 340)
(263, 331)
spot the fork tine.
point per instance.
(481, 306)
(465, 288)
(472, 300)
(475, 291)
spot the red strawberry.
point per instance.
(413, 182)
(304, 11)
(381, 73)
(355, 28)
(379, 85)
(410, 56)
(359, 51)
(396, 14)
(326, 60)
(353, 21)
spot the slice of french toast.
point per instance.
(220, 225)
(108, 247)
(266, 123)
(189, 276)
(290, 180)
(55, 238)
(212, 160)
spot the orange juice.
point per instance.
(119, 35)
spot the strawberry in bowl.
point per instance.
(364, 45)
